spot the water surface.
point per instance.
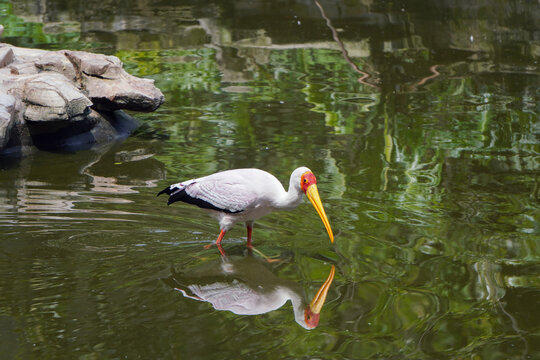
(421, 122)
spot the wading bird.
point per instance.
(245, 195)
(245, 286)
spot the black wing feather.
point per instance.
(177, 194)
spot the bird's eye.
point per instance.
(305, 181)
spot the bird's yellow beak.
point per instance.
(313, 195)
(319, 298)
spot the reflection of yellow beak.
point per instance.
(313, 195)
(319, 298)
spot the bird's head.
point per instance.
(312, 312)
(308, 184)
(311, 318)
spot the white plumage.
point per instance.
(245, 195)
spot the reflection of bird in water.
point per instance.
(247, 195)
(245, 286)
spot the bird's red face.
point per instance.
(307, 180)
(312, 313)
(311, 319)
(308, 183)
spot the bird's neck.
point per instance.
(299, 306)
(290, 199)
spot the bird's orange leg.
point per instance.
(218, 242)
(249, 231)
(221, 251)
(220, 237)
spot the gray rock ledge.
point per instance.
(54, 100)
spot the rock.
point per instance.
(7, 107)
(6, 57)
(13, 131)
(59, 99)
(50, 97)
(56, 61)
(110, 87)
(101, 66)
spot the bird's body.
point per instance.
(245, 195)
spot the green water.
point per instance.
(428, 167)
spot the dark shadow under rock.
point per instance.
(98, 128)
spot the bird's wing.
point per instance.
(230, 195)
(235, 296)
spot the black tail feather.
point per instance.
(167, 191)
(175, 194)
(178, 195)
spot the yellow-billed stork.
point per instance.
(246, 195)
